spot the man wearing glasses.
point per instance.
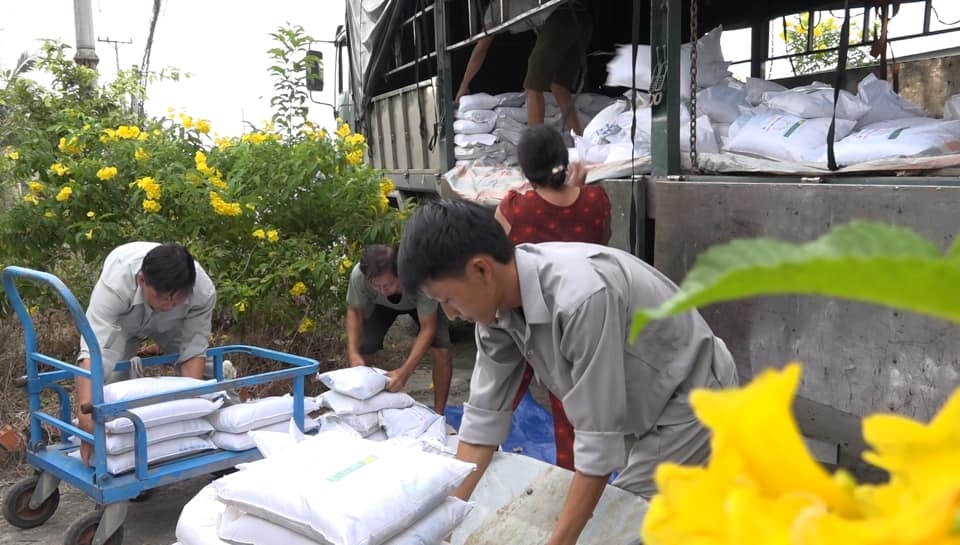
(146, 291)
(374, 300)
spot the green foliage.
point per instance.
(823, 37)
(861, 261)
(277, 217)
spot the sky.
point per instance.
(222, 44)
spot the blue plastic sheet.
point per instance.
(531, 433)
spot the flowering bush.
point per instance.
(275, 217)
(815, 48)
(762, 486)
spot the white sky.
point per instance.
(222, 43)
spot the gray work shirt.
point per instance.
(360, 294)
(121, 319)
(578, 303)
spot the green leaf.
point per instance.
(860, 261)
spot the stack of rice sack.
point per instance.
(275, 413)
(358, 402)
(488, 127)
(876, 123)
(332, 488)
(174, 429)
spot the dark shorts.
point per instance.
(558, 53)
(376, 322)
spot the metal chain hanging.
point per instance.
(694, 15)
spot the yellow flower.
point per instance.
(49, 214)
(31, 198)
(298, 289)
(306, 325)
(106, 173)
(36, 187)
(128, 132)
(33, 310)
(343, 130)
(322, 134)
(355, 157)
(109, 135)
(203, 126)
(218, 182)
(187, 122)
(345, 265)
(355, 139)
(386, 186)
(273, 235)
(250, 206)
(59, 169)
(91, 214)
(151, 206)
(70, 147)
(222, 207)
(89, 234)
(149, 186)
(255, 138)
(222, 142)
(141, 154)
(383, 204)
(241, 306)
(200, 158)
(12, 155)
(259, 233)
(64, 193)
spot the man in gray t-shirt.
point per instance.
(374, 300)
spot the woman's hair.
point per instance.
(543, 156)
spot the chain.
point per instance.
(694, 14)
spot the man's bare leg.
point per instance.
(535, 108)
(567, 107)
(442, 375)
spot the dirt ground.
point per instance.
(153, 522)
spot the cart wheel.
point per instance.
(81, 532)
(16, 504)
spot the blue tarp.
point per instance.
(532, 431)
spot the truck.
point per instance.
(399, 63)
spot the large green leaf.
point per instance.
(861, 261)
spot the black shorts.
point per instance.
(376, 322)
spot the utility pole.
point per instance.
(116, 47)
(83, 23)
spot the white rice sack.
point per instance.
(468, 140)
(164, 413)
(239, 527)
(591, 103)
(721, 103)
(364, 424)
(883, 103)
(478, 101)
(520, 114)
(951, 109)
(361, 381)
(144, 386)
(507, 135)
(335, 501)
(163, 451)
(118, 443)
(466, 126)
(258, 413)
(757, 87)
(721, 132)
(197, 524)
(244, 440)
(604, 127)
(478, 116)
(410, 422)
(512, 99)
(785, 137)
(885, 141)
(342, 404)
(816, 100)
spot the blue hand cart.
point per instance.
(32, 501)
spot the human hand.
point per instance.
(356, 360)
(398, 379)
(463, 91)
(577, 174)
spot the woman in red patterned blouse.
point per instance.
(560, 208)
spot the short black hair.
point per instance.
(169, 268)
(378, 259)
(442, 235)
(543, 156)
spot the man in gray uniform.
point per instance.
(374, 300)
(145, 291)
(566, 308)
